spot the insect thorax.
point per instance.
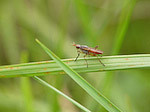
(84, 48)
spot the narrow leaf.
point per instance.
(118, 62)
(82, 82)
(59, 92)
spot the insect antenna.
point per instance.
(73, 44)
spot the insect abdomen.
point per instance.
(96, 51)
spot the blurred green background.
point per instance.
(116, 26)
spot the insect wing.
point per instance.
(95, 51)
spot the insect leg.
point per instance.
(86, 60)
(77, 55)
(100, 61)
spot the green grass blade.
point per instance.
(82, 82)
(123, 25)
(27, 94)
(119, 62)
(59, 92)
(122, 28)
(26, 88)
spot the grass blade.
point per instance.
(82, 82)
(26, 87)
(123, 25)
(27, 94)
(122, 28)
(59, 92)
(119, 62)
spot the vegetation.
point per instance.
(120, 28)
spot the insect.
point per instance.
(88, 51)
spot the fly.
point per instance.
(88, 51)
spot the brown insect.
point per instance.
(88, 51)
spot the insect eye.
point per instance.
(77, 46)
